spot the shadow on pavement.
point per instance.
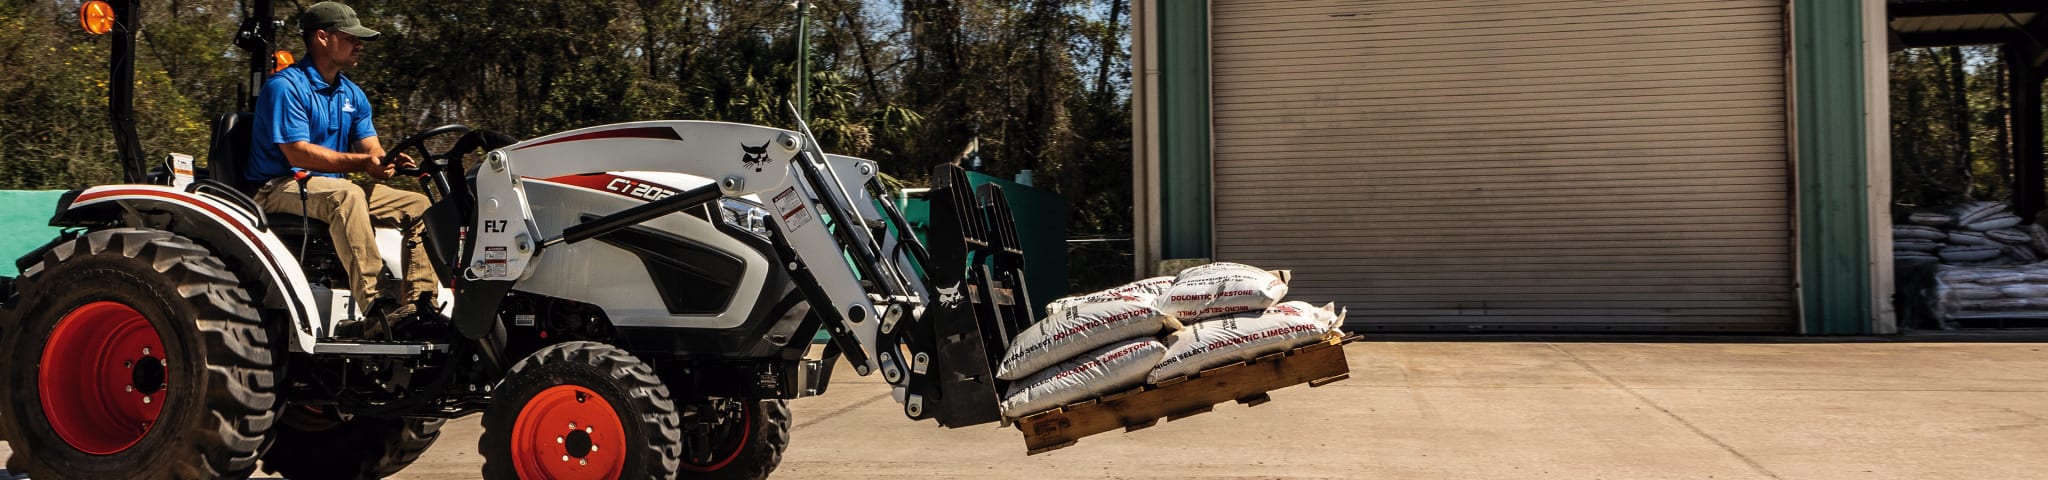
(1949, 336)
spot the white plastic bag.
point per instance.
(1918, 232)
(1106, 370)
(1243, 337)
(1995, 222)
(1151, 286)
(1095, 321)
(1222, 288)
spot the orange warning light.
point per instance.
(96, 17)
(280, 59)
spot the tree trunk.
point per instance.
(1108, 43)
(2003, 115)
(1959, 109)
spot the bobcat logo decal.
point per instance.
(755, 157)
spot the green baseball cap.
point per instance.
(334, 16)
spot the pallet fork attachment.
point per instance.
(977, 271)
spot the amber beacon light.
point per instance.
(96, 17)
(281, 59)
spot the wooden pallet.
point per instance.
(1176, 398)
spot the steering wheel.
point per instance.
(419, 141)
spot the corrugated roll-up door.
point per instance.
(1510, 164)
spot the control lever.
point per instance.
(302, 176)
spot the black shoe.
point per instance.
(350, 328)
(427, 308)
(376, 323)
(418, 319)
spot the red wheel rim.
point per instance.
(568, 432)
(102, 377)
(746, 427)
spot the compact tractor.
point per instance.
(627, 301)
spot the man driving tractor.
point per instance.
(312, 125)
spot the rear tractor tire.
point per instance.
(581, 410)
(136, 354)
(358, 448)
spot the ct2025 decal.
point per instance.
(636, 188)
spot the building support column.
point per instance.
(1144, 139)
(1184, 148)
(2025, 102)
(1877, 148)
(1834, 239)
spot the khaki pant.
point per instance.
(350, 212)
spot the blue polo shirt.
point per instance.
(297, 105)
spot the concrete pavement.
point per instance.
(1477, 410)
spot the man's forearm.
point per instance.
(371, 146)
(317, 158)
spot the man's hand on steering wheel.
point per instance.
(387, 167)
(405, 162)
(397, 162)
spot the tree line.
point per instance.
(1951, 127)
(1038, 85)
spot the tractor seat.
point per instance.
(292, 224)
(229, 157)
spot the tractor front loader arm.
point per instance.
(928, 319)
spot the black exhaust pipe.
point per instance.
(121, 91)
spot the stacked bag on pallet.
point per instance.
(1223, 341)
(1155, 329)
(1970, 234)
(1982, 261)
(1984, 291)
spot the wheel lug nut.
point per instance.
(593, 448)
(128, 388)
(583, 461)
(559, 440)
(565, 458)
(127, 364)
(588, 430)
(572, 425)
(145, 350)
(145, 400)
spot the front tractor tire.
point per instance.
(736, 440)
(581, 410)
(135, 353)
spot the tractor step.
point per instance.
(377, 349)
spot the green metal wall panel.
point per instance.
(1834, 231)
(1184, 128)
(25, 225)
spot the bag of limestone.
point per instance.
(1105, 370)
(1222, 288)
(1151, 286)
(1084, 324)
(1242, 337)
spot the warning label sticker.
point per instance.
(790, 205)
(494, 262)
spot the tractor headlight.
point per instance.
(744, 215)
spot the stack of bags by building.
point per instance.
(2005, 291)
(1969, 260)
(1154, 330)
(1970, 234)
